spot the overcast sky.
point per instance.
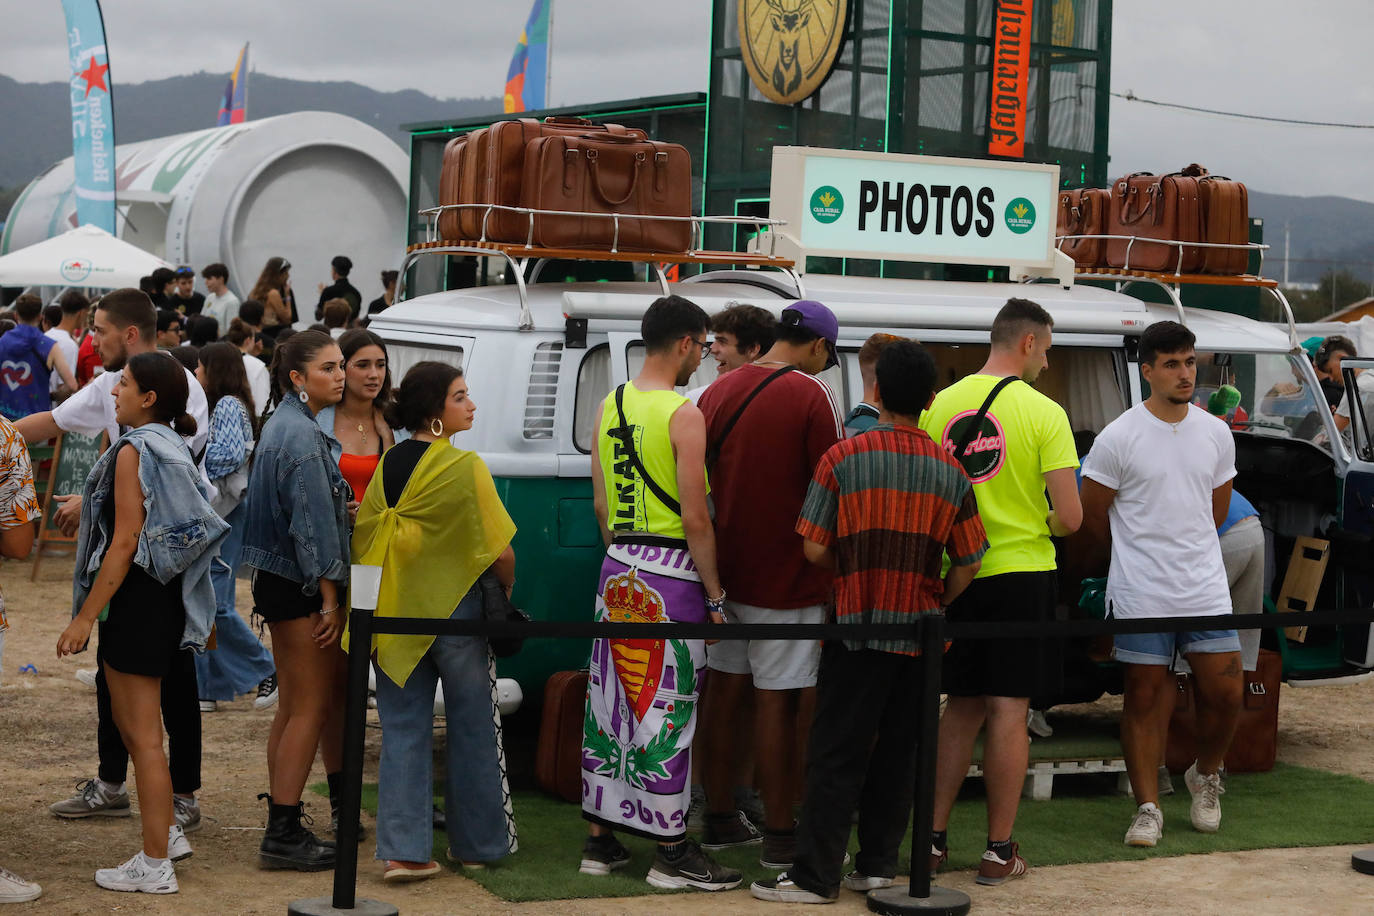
(1270, 57)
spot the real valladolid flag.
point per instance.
(93, 136)
(234, 107)
(527, 78)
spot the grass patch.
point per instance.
(1290, 806)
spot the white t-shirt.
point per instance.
(69, 350)
(259, 382)
(91, 410)
(223, 309)
(1166, 556)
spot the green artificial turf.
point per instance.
(1290, 806)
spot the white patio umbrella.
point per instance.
(86, 256)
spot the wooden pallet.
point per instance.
(517, 250)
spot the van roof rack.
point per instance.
(520, 255)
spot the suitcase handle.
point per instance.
(592, 159)
(613, 137)
(569, 122)
(1127, 191)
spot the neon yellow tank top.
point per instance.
(632, 506)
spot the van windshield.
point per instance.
(1263, 394)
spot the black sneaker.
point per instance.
(725, 831)
(601, 856)
(694, 869)
(267, 693)
(778, 850)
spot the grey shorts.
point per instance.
(776, 664)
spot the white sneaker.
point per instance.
(139, 874)
(1206, 792)
(178, 847)
(14, 889)
(209, 706)
(187, 813)
(86, 676)
(857, 881)
(1147, 827)
(1166, 782)
(1036, 724)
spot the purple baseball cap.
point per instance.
(816, 318)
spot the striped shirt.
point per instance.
(891, 503)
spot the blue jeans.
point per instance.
(476, 798)
(239, 662)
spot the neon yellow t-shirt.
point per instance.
(1024, 436)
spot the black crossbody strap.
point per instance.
(626, 435)
(961, 447)
(713, 453)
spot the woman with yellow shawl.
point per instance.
(434, 523)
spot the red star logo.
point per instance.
(94, 76)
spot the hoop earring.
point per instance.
(303, 396)
(437, 433)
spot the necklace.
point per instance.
(361, 427)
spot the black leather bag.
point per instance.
(497, 608)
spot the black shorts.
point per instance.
(277, 598)
(1022, 667)
(142, 633)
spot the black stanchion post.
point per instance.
(366, 583)
(921, 896)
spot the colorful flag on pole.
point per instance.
(529, 65)
(234, 107)
(93, 136)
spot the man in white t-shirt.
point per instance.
(220, 304)
(1160, 477)
(74, 305)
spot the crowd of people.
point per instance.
(921, 501)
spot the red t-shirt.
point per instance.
(86, 360)
(760, 480)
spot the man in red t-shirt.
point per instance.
(763, 461)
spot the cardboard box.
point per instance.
(1303, 580)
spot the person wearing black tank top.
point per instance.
(434, 524)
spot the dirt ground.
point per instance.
(47, 744)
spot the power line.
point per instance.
(1130, 96)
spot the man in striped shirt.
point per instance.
(882, 510)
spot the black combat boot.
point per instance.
(288, 844)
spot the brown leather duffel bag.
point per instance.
(1149, 207)
(1225, 217)
(474, 153)
(609, 174)
(1084, 212)
(502, 167)
(450, 182)
(1254, 748)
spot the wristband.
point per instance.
(328, 610)
(717, 605)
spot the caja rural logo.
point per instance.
(986, 450)
(826, 204)
(1020, 215)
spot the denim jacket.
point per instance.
(296, 523)
(181, 532)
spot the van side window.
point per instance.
(401, 357)
(593, 384)
(542, 394)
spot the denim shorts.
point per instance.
(1159, 648)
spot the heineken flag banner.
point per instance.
(93, 137)
(234, 107)
(529, 66)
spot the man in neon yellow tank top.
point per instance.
(1022, 447)
(649, 485)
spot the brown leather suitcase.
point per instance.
(1084, 212)
(1255, 745)
(558, 757)
(450, 182)
(1225, 220)
(1149, 207)
(469, 189)
(609, 174)
(503, 166)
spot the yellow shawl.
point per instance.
(448, 526)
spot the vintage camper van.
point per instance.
(539, 359)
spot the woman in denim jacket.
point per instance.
(147, 537)
(296, 540)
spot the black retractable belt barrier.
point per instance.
(930, 631)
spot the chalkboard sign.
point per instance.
(73, 458)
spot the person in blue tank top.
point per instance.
(27, 357)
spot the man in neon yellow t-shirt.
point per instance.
(1022, 447)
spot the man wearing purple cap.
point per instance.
(767, 425)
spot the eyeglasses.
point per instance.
(704, 344)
